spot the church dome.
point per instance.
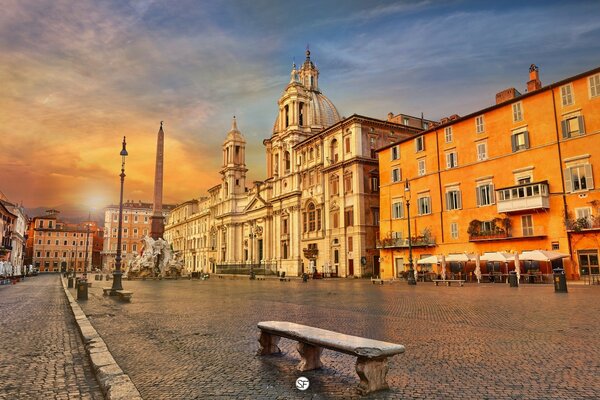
(324, 112)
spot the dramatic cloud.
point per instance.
(79, 75)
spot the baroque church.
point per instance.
(318, 208)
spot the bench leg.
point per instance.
(372, 374)
(311, 357)
(268, 344)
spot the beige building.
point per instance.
(317, 210)
(136, 224)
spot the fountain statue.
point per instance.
(156, 260)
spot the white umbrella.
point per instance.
(478, 268)
(497, 256)
(458, 257)
(542, 255)
(517, 267)
(443, 262)
(430, 260)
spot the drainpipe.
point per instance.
(439, 174)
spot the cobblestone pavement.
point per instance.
(197, 339)
(42, 355)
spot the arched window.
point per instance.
(286, 111)
(334, 151)
(311, 218)
(301, 114)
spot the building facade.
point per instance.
(516, 176)
(59, 246)
(317, 210)
(137, 223)
(17, 233)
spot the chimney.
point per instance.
(390, 116)
(506, 95)
(534, 79)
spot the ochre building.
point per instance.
(519, 175)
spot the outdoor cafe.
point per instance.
(533, 266)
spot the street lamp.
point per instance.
(117, 285)
(411, 273)
(87, 239)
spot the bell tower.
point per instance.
(233, 171)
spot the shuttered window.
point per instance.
(397, 210)
(520, 141)
(453, 200)
(573, 126)
(485, 195)
(517, 110)
(566, 95)
(579, 178)
(595, 85)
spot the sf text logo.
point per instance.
(302, 383)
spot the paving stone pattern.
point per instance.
(42, 355)
(185, 339)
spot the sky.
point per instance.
(79, 75)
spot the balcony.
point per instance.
(535, 232)
(417, 241)
(530, 196)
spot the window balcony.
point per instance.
(530, 196)
(533, 232)
(417, 241)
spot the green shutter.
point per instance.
(581, 124)
(526, 133)
(568, 180)
(565, 129)
(492, 194)
(589, 178)
(459, 199)
(513, 142)
(447, 200)
(478, 195)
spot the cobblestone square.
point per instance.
(182, 339)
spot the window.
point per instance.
(395, 153)
(451, 160)
(517, 110)
(347, 144)
(481, 151)
(420, 144)
(448, 134)
(335, 218)
(584, 213)
(479, 126)
(527, 225)
(566, 95)
(520, 141)
(126, 218)
(284, 226)
(573, 126)
(485, 195)
(375, 213)
(397, 210)
(38, 254)
(134, 247)
(135, 218)
(312, 218)
(41, 224)
(284, 249)
(396, 175)
(454, 230)
(335, 185)
(50, 224)
(349, 216)
(405, 121)
(39, 241)
(374, 183)
(350, 244)
(287, 161)
(334, 151)
(424, 205)
(453, 200)
(421, 167)
(125, 247)
(579, 178)
(594, 85)
(348, 183)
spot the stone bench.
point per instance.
(377, 280)
(123, 294)
(448, 282)
(372, 355)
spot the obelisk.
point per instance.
(158, 222)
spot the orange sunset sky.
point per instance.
(79, 75)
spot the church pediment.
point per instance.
(255, 203)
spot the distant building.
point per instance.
(135, 225)
(518, 175)
(58, 246)
(7, 224)
(17, 233)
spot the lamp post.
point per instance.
(411, 272)
(87, 239)
(117, 285)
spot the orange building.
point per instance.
(57, 246)
(516, 176)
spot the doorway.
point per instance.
(588, 262)
(376, 271)
(351, 267)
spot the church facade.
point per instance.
(318, 208)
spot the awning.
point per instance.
(542, 255)
(430, 260)
(458, 257)
(499, 256)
